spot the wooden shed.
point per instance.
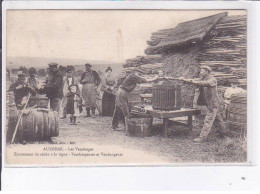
(219, 41)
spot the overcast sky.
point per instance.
(89, 34)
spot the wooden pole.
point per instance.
(20, 117)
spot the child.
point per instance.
(73, 102)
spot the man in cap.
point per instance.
(53, 89)
(20, 89)
(68, 80)
(207, 95)
(90, 81)
(121, 104)
(32, 79)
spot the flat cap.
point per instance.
(52, 65)
(206, 67)
(88, 65)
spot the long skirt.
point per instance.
(89, 95)
(108, 104)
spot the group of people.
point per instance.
(72, 94)
(63, 91)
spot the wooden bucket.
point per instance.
(38, 124)
(139, 126)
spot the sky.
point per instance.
(109, 35)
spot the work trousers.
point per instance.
(212, 117)
(121, 107)
(55, 104)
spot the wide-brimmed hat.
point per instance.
(206, 67)
(73, 85)
(88, 65)
(53, 65)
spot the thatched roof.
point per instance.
(185, 33)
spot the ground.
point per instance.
(178, 148)
(96, 133)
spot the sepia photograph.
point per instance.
(126, 87)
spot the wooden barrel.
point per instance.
(138, 126)
(166, 96)
(237, 118)
(38, 101)
(36, 125)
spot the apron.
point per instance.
(89, 93)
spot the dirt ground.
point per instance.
(156, 149)
(178, 148)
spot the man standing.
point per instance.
(53, 89)
(207, 95)
(121, 104)
(68, 80)
(32, 79)
(90, 80)
(20, 89)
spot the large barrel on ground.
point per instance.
(139, 126)
(38, 101)
(35, 125)
(237, 118)
(166, 96)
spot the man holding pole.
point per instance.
(207, 95)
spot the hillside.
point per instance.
(42, 62)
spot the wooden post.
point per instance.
(165, 127)
(190, 123)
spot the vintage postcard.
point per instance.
(125, 87)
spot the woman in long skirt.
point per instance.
(108, 100)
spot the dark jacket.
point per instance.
(20, 93)
(131, 81)
(97, 79)
(54, 87)
(207, 93)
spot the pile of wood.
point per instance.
(147, 68)
(240, 73)
(142, 60)
(225, 50)
(158, 36)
